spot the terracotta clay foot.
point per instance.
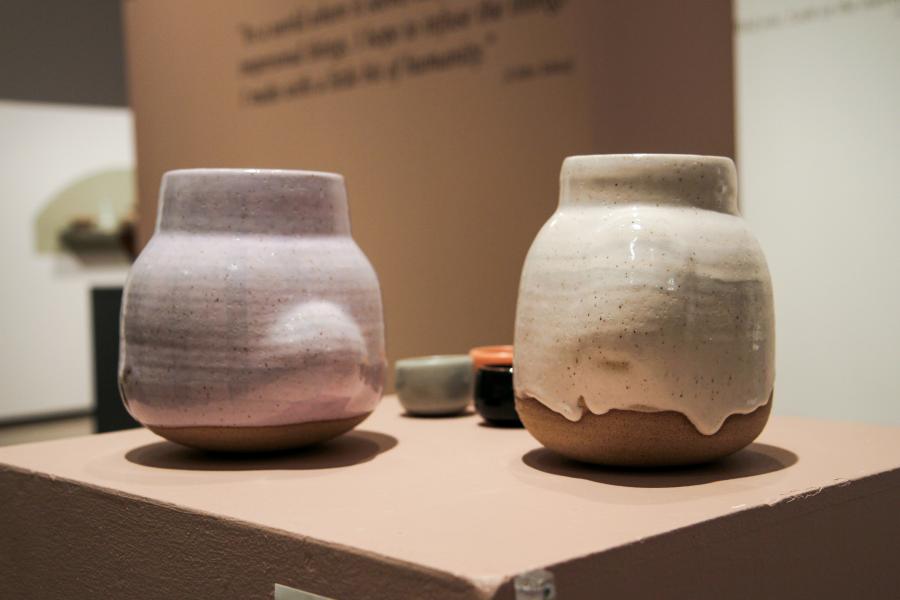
(258, 439)
(629, 438)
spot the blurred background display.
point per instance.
(67, 181)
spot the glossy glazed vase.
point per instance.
(644, 327)
(252, 320)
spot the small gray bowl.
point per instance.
(432, 386)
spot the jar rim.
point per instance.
(693, 180)
(257, 201)
(249, 172)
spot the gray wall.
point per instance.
(67, 51)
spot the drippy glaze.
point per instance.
(645, 291)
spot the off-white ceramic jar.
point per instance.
(252, 320)
(644, 328)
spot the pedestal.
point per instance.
(450, 509)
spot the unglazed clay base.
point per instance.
(258, 439)
(638, 439)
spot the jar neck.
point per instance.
(269, 202)
(705, 182)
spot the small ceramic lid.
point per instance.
(491, 355)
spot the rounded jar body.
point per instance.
(252, 320)
(646, 294)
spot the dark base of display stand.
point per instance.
(110, 415)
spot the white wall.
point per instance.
(46, 355)
(818, 92)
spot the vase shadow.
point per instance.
(501, 425)
(755, 459)
(352, 448)
(468, 412)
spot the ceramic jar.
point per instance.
(494, 398)
(493, 394)
(434, 386)
(644, 327)
(252, 320)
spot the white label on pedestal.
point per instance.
(283, 592)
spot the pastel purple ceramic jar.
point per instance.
(252, 320)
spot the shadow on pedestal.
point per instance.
(349, 449)
(755, 459)
(465, 413)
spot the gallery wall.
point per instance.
(818, 91)
(46, 357)
(66, 152)
(449, 122)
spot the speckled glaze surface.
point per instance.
(645, 291)
(251, 306)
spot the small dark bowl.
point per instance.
(494, 397)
